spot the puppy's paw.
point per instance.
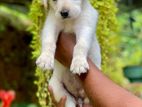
(79, 65)
(45, 61)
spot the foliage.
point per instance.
(107, 34)
(37, 17)
(107, 18)
(18, 20)
(15, 54)
(131, 38)
(127, 41)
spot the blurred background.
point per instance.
(17, 68)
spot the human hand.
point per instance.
(62, 101)
(64, 51)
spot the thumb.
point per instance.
(62, 101)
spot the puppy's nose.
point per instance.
(64, 13)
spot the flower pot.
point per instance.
(133, 73)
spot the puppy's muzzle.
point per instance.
(64, 13)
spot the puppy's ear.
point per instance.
(44, 3)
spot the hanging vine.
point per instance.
(37, 15)
(107, 24)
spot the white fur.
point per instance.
(82, 21)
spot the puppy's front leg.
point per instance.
(49, 37)
(84, 39)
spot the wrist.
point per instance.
(64, 50)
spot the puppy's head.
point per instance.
(66, 9)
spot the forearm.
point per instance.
(102, 91)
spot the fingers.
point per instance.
(62, 101)
(52, 95)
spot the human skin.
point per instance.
(100, 89)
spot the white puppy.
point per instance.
(72, 16)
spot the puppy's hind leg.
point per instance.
(58, 87)
(59, 92)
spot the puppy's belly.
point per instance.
(73, 85)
